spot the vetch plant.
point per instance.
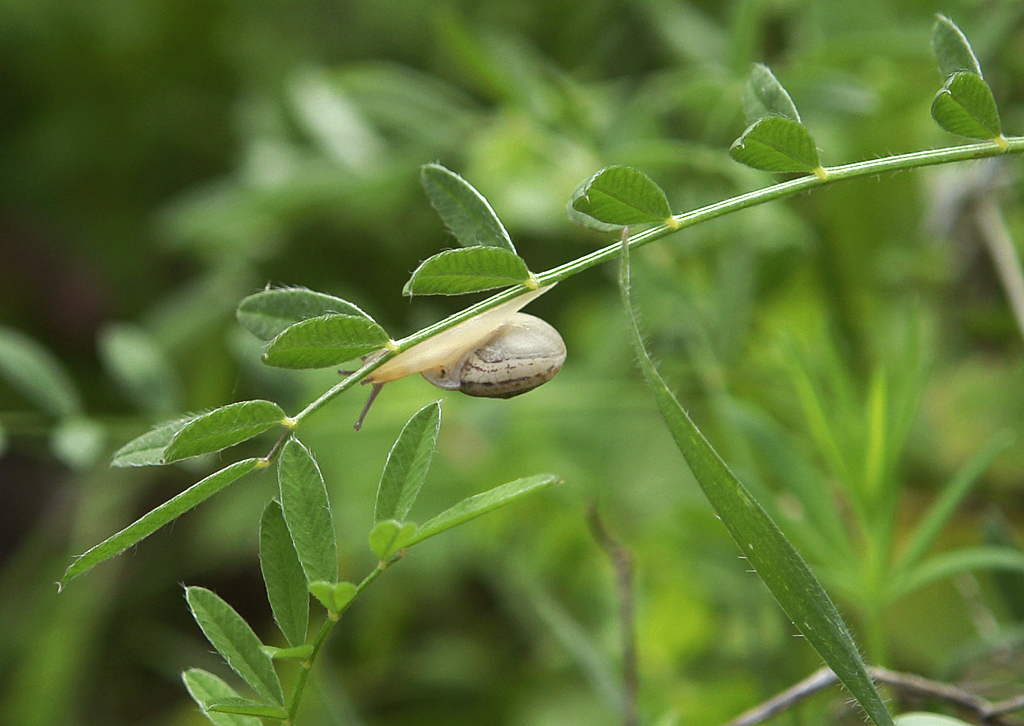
(491, 349)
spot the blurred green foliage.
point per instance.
(161, 160)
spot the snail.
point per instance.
(499, 353)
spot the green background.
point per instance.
(161, 160)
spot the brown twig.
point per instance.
(983, 710)
(622, 561)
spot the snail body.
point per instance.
(499, 353)
(521, 354)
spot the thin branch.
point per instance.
(622, 561)
(985, 711)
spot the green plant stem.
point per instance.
(782, 190)
(321, 638)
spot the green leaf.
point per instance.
(206, 689)
(141, 367)
(941, 566)
(283, 575)
(406, 467)
(389, 536)
(235, 641)
(33, 371)
(335, 597)
(928, 529)
(777, 144)
(965, 107)
(482, 503)
(618, 196)
(764, 96)
(928, 719)
(148, 449)
(307, 512)
(762, 543)
(221, 428)
(267, 313)
(248, 707)
(952, 50)
(464, 210)
(157, 518)
(471, 269)
(324, 341)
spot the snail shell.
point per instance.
(520, 355)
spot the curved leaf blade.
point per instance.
(37, 374)
(406, 467)
(469, 269)
(952, 49)
(619, 196)
(223, 427)
(228, 632)
(307, 512)
(777, 144)
(323, 341)
(267, 313)
(764, 96)
(777, 563)
(148, 449)
(207, 689)
(482, 503)
(283, 576)
(965, 107)
(157, 518)
(463, 209)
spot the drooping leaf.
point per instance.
(267, 313)
(323, 341)
(479, 504)
(205, 689)
(764, 96)
(37, 374)
(777, 144)
(141, 367)
(388, 536)
(223, 427)
(335, 597)
(228, 632)
(618, 196)
(952, 50)
(469, 269)
(764, 546)
(248, 707)
(964, 106)
(148, 449)
(464, 210)
(406, 467)
(307, 511)
(157, 518)
(283, 575)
